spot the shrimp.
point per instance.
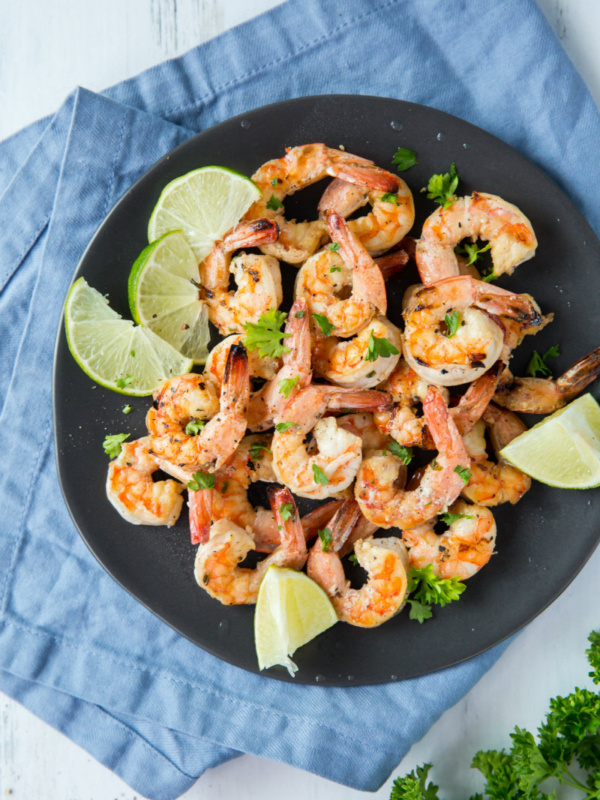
(333, 467)
(131, 490)
(251, 462)
(363, 425)
(295, 373)
(385, 560)
(483, 216)
(459, 552)
(180, 400)
(258, 278)
(217, 440)
(216, 567)
(544, 395)
(324, 278)
(263, 367)
(356, 362)
(300, 167)
(491, 484)
(450, 334)
(380, 499)
(391, 217)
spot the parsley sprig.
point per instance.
(472, 251)
(441, 188)
(537, 366)
(201, 480)
(452, 322)
(286, 385)
(427, 590)
(324, 324)
(112, 443)
(266, 335)
(256, 450)
(378, 347)
(567, 744)
(404, 453)
(404, 158)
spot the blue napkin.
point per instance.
(74, 647)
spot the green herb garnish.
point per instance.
(323, 323)
(201, 480)
(194, 427)
(256, 450)
(274, 203)
(428, 590)
(378, 347)
(334, 246)
(405, 453)
(287, 384)
(266, 334)
(471, 250)
(404, 158)
(452, 322)
(441, 188)
(127, 409)
(464, 473)
(282, 427)
(287, 511)
(537, 363)
(450, 519)
(319, 475)
(112, 443)
(326, 539)
(121, 383)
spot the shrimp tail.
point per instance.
(360, 400)
(580, 375)
(362, 172)
(392, 262)
(256, 233)
(286, 515)
(200, 505)
(235, 390)
(342, 523)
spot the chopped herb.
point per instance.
(334, 246)
(127, 409)
(299, 314)
(335, 269)
(450, 519)
(194, 427)
(225, 487)
(490, 277)
(323, 323)
(441, 188)
(282, 427)
(273, 181)
(266, 334)
(326, 539)
(201, 480)
(430, 590)
(132, 353)
(537, 363)
(405, 453)
(287, 511)
(319, 475)
(274, 204)
(464, 473)
(379, 346)
(404, 158)
(256, 449)
(452, 321)
(287, 384)
(472, 251)
(353, 559)
(112, 443)
(388, 197)
(121, 383)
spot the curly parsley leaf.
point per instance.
(593, 654)
(379, 347)
(266, 334)
(194, 427)
(324, 324)
(441, 188)
(464, 473)
(428, 589)
(404, 159)
(452, 322)
(319, 475)
(326, 539)
(537, 366)
(112, 443)
(414, 787)
(274, 203)
(256, 450)
(404, 453)
(471, 250)
(287, 384)
(201, 480)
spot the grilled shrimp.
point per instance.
(544, 395)
(356, 362)
(450, 336)
(259, 366)
(391, 217)
(459, 552)
(131, 490)
(493, 483)
(300, 167)
(333, 467)
(325, 277)
(385, 504)
(294, 374)
(257, 277)
(217, 440)
(483, 216)
(216, 568)
(385, 560)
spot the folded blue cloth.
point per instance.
(74, 647)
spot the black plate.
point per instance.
(542, 543)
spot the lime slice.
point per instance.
(113, 351)
(163, 296)
(204, 205)
(290, 611)
(562, 450)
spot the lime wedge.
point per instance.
(204, 205)
(291, 609)
(562, 450)
(113, 351)
(163, 296)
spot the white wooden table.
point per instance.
(49, 47)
